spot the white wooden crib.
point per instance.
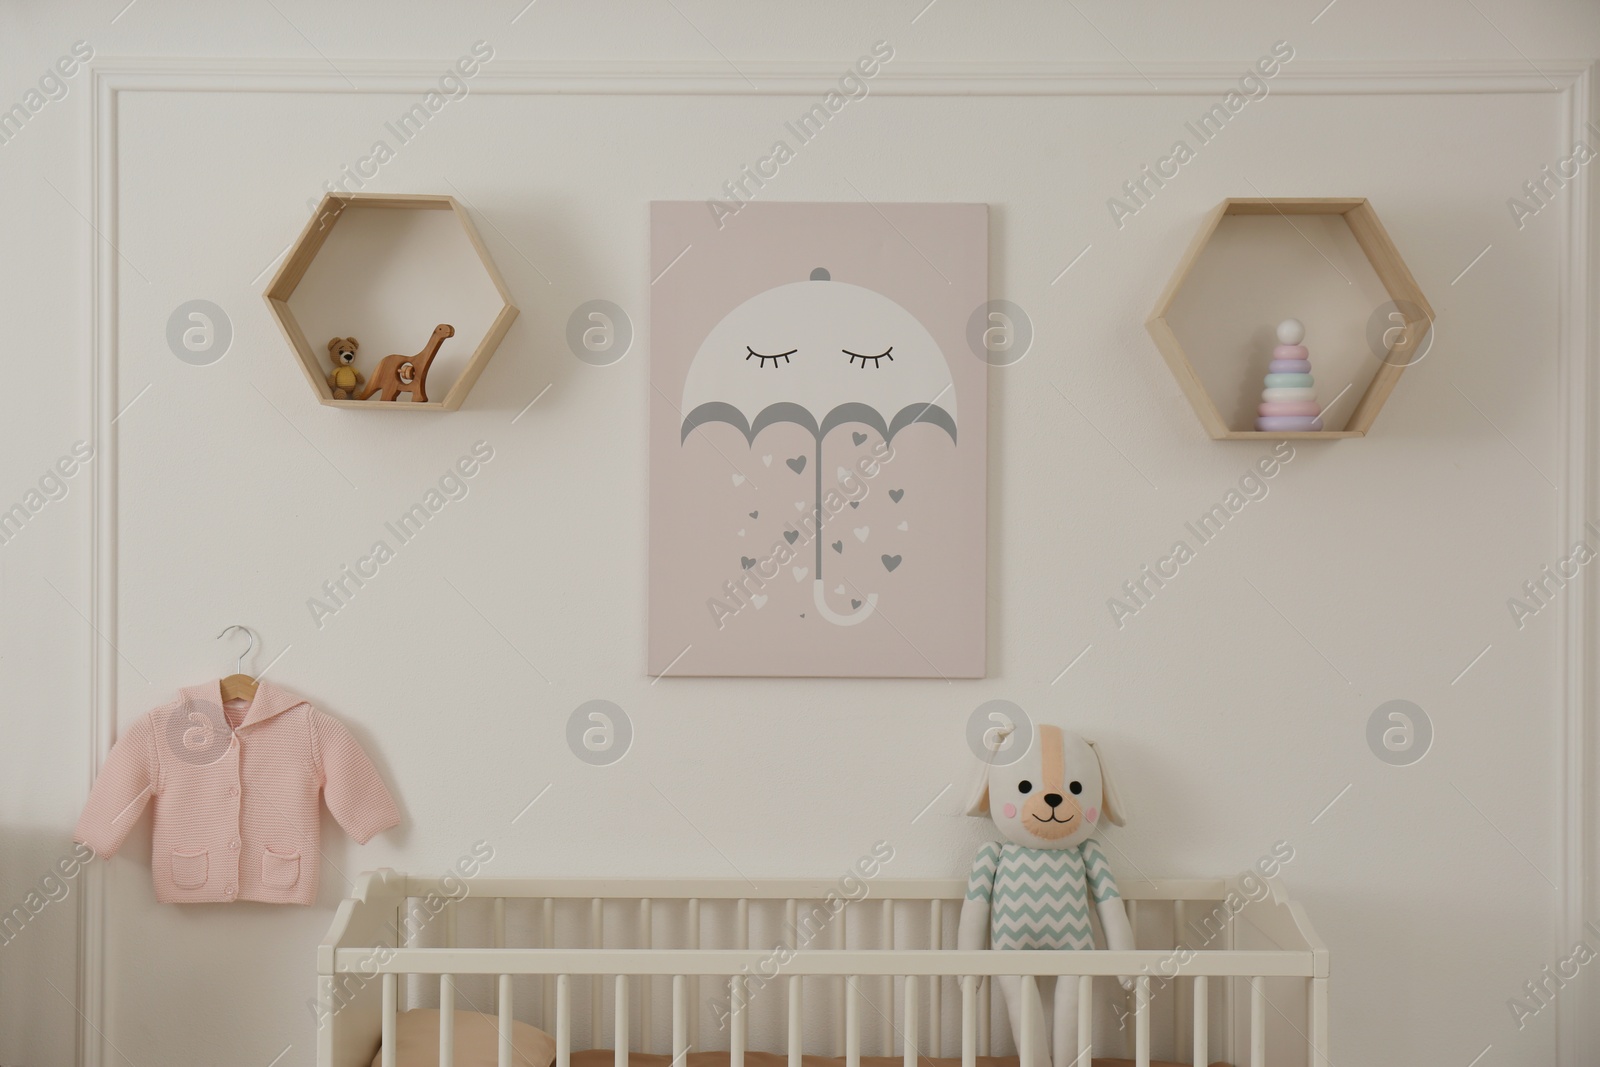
(779, 972)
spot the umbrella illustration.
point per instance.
(820, 354)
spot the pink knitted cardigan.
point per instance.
(236, 795)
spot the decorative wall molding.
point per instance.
(1573, 82)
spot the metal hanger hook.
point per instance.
(248, 633)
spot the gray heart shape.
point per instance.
(855, 503)
(746, 562)
(858, 438)
(855, 604)
(797, 464)
(755, 514)
(838, 546)
(891, 562)
(791, 536)
(896, 494)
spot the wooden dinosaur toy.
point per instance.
(408, 374)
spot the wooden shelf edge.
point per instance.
(1293, 205)
(309, 243)
(1382, 256)
(385, 405)
(1287, 435)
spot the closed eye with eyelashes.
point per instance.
(877, 360)
(762, 360)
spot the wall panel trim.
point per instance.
(1572, 81)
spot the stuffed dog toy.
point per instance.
(1032, 890)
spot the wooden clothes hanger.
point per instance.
(239, 686)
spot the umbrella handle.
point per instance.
(821, 598)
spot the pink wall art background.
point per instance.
(817, 441)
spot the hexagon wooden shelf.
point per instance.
(305, 249)
(1385, 261)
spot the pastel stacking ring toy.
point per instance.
(1289, 423)
(1290, 407)
(1289, 392)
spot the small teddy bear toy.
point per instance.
(344, 377)
(1032, 890)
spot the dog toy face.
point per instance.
(1055, 796)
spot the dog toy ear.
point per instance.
(353, 343)
(1110, 804)
(334, 344)
(978, 799)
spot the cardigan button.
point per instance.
(233, 791)
(234, 844)
(232, 891)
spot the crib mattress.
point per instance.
(604, 1057)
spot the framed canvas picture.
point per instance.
(817, 440)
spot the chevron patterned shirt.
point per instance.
(1039, 898)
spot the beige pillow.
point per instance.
(477, 1041)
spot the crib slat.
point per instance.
(935, 941)
(563, 1020)
(1141, 1046)
(985, 1010)
(1085, 1054)
(694, 980)
(840, 939)
(506, 1020)
(1132, 1036)
(408, 982)
(547, 989)
(503, 986)
(646, 941)
(852, 1022)
(791, 924)
(1030, 1038)
(736, 1036)
(1317, 1018)
(797, 1019)
(1201, 1051)
(391, 999)
(597, 939)
(1230, 1005)
(741, 933)
(447, 1020)
(1182, 1017)
(680, 1020)
(969, 1021)
(909, 1033)
(619, 1030)
(886, 1029)
(1258, 1022)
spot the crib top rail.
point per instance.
(398, 883)
(1270, 963)
(1292, 946)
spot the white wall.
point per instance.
(1234, 714)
